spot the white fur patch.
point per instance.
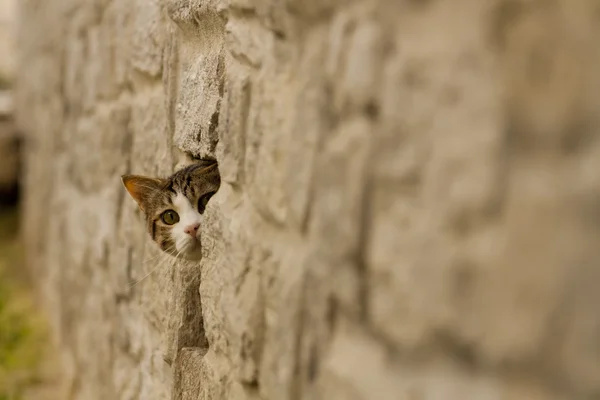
(188, 215)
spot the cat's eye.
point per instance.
(203, 201)
(169, 217)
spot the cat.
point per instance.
(174, 206)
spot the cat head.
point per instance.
(174, 206)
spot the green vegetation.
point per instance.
(5, 83)
(21, 333)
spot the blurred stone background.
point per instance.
(28, 370)
(9, 161)
(8, 15)
(409, 207)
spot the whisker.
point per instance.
(144, 277)
(160, 264)
(171, 257)
(172, 261)
(177, 256)
(162, 254)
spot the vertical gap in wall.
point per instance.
(365, 219)
(191, 332)
(213, 130)
(296, 385)
(328, 114)
(171, 86)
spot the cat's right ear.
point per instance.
(141, 188)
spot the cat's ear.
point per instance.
(207, 169)
(141, 188)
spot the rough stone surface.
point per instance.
(409, 207)
(7, 48)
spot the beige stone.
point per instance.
(7, 42)
(9, 148)
(409, 207)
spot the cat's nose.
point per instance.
(192, 230)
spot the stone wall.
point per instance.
(7, 51)
(8, 137)
(409, 207)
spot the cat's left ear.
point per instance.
(207, 170)
(141, 188)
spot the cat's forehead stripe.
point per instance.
(185, 186)
(181, 202)
(170, 188)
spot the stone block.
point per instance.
(147, 36)
(200, 88)
(151, 151)
(233, 125)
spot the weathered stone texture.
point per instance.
(7, 48)
(409, 207)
